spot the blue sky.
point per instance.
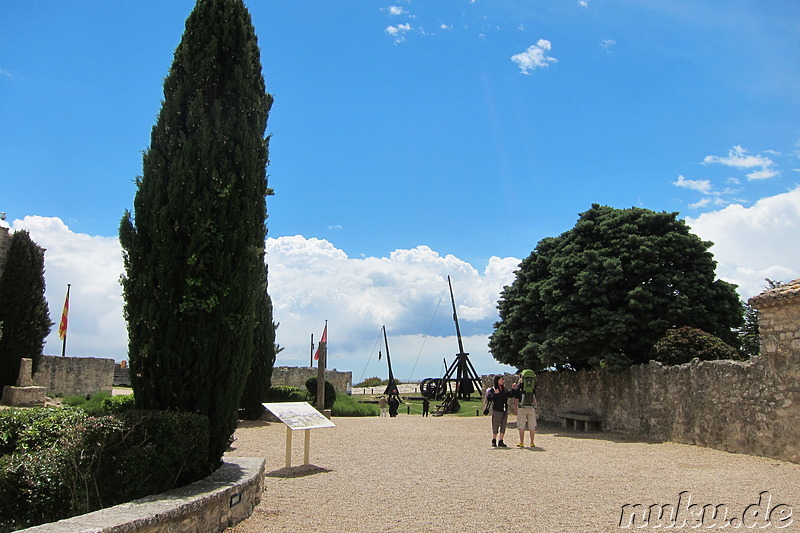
(411, 140)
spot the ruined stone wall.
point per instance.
(65, 376)
(739, 406)
(296, 376)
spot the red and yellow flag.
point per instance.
(62, 327)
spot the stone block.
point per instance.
(23, 396)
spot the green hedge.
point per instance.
(287, 394)
(61, 462)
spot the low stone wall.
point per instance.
(65, 376)
(296, 376)
(749, 407)
(221, 500)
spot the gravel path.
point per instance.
(441, 474)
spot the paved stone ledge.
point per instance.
(221, 500)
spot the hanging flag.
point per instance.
(62, 327)
(322, 340)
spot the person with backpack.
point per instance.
(525, 393)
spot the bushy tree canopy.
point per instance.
(602, 293)
(24, 314)
(681, 345)
(193, 256)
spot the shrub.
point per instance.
(62, 462)
(681, 345)
(330, 392)
(371, 382)
(118, 404)
(287, 394)
(34, 429)
(348, 406)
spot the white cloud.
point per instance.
(607, 44)
(534, 57)
(92, 265)
(762, 174)
(396, 10)
(739, 158)
(444, 26)
(7, 74)
(753, 243)
(703, 186)
(310, 281)
(583, 3)
(398, 32)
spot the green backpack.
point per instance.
(529, 383)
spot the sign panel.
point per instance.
(299, 415)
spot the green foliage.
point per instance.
(119, 404)
(35, 428)
(193, 248)
(330, 392)
(260, 376)
(24, 313)
(93, 405)
(286, 394)
(60, 462)
(749, 336)
(347, 406)
(372, 382)
(602, 293)
(681, 345)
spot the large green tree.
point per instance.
(259, 378)
(193, 247)
(602, 293)
(24, 313)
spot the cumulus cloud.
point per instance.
(534, 57)
(92, 265)
(703, 186)
(398, 32)
(753, 243)
(310, 281)
(396, 10)
(583, 3)
(739, 158)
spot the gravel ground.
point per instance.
(440, 474)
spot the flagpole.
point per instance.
(64, 324)
(321, 363)
(312, 351)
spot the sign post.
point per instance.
(297, 416)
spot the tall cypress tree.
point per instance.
(23, 308)
(193, 246)
(260, 376)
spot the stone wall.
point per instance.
(296, 376)
(65, 376)
(739, 406)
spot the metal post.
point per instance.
(288, 446)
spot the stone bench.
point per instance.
(577, 420)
